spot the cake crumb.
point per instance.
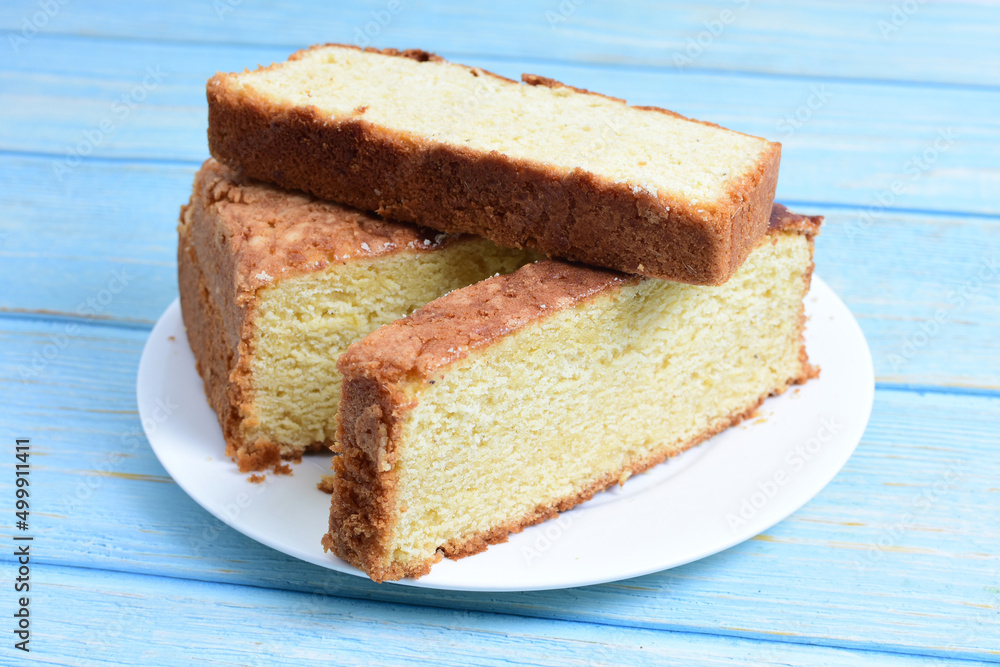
(325, 484)
(263, 275)
(256, 479)
(283, 469)
(171, 338)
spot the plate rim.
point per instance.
(819, 290)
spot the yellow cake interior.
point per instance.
(590, 391)
(304, 324)
(559, 128)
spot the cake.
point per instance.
(532, 164)
(274, 285)
(501, 404)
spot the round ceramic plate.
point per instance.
(725, 491)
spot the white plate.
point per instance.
(725, 491)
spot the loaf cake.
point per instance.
(275, 285)
(536, 164)
(501, 404)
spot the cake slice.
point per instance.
(536, 164)
(501, 404)
(275, 285)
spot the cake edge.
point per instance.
(217, 185)
(402, 349)
(224, 376)
(267, 142)
(222, 267)
(362, 470)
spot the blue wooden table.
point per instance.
(889, 113)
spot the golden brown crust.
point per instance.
(217, 360)
(325, 483)
(364, 494)
(448, 328)
(372, 410)
(784, 220)
(578, 216)
(237, 236)
(272, 233)
(214, 357)
(536, 80)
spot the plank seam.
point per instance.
(594, 64)
(803, 203)
(104, 159)
(764, 639)
(138, 325)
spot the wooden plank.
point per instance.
(845, 142)
(65, 244)
(882, 40)
(100, 244)
(219, 624)
(897, 554)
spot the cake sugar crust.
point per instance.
(579, 216)
(270, 232)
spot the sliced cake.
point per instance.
(501, 404)
(534, 164)
(275, 285)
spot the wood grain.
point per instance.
(948, 43)
(895, 274)
(895, 562)
(286, 627)
(851, 563)
(844, 142)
